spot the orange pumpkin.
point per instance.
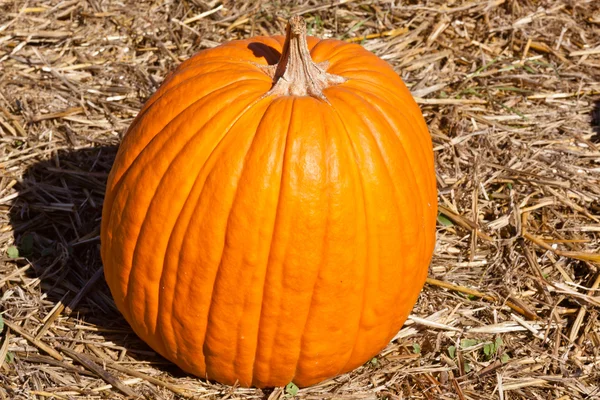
(267, 224)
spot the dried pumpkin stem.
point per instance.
(296, 73)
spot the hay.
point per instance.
(510, 90)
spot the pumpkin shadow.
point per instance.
(56, 223)
(270, 54)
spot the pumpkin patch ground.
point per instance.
(510, 94)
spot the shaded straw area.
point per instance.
(511, 92)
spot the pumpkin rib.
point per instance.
(352, 143)
(169, 90)
(425, 240)
(287, 190)
(340, 65)
(152, 328)
(129, 296)
(250, 356)
(160, 97)
(374, 83)
(416, 120)
(358, 58)
(374, 106)
(407, 116)
(117, 181)
(195, 206)
(332, 48)
(292, 313)
(312, 297)
(423, 154)
(367, 81)
(426, 216)
(116, 186)
(226, 230)
(239, 322)
(309, 316)
(378, 145)
(346, 69)
(183, 226)
(369, 244)
(277, 214)
(423, 194)
(220, 264)
(322, 46)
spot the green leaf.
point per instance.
(291, 389)
(452, 351)
(12, 252)
(466, 343)
(504, 358)
(10, 356)
(416, 348)
(442, 219)
(472, 297)
(467, 367)
(1, 323)
(374, 361)
(488, 349)
(499, 342)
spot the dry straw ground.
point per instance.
(510, 91)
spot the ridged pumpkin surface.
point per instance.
(268, 239)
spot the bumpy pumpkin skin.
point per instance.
(267, 239)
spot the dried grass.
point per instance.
(510, 90)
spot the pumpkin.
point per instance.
(270, 214)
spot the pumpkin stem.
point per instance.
(297, 74)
